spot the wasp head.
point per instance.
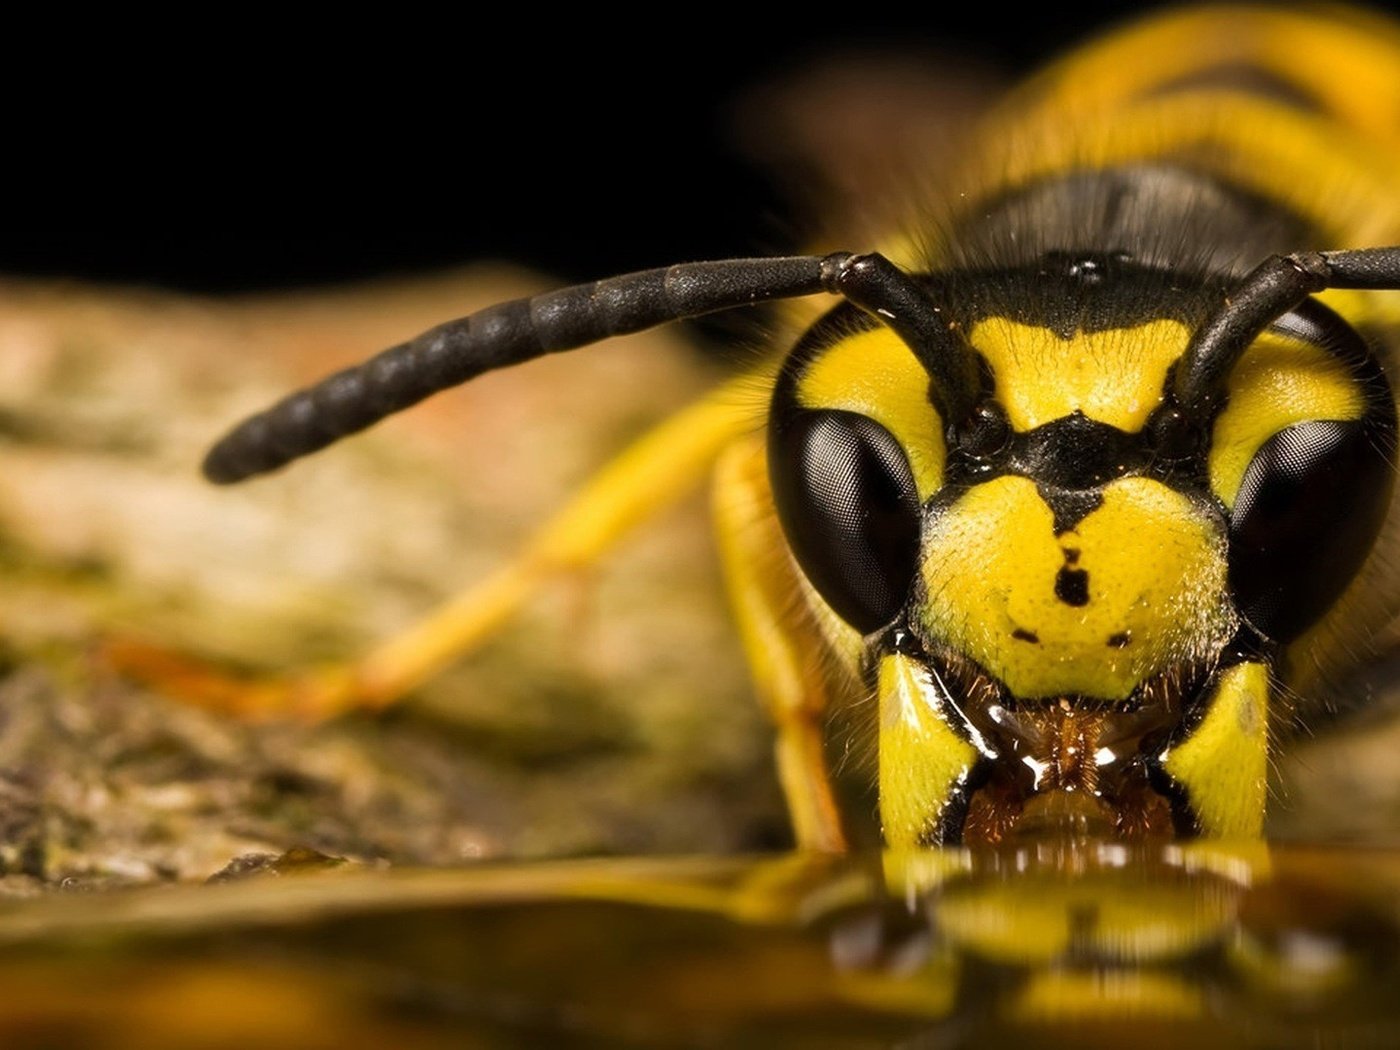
(1073, 574)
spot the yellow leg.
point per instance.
(783, 644)
(649, 476)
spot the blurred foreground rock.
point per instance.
(612, 716)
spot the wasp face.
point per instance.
(1073, 602)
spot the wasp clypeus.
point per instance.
(1086, 478)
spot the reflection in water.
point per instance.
(1079, 945)
(1108, 945)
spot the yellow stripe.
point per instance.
(921, 758)
(1223, 764)
(1119, 995)
(1347, 59)
(1280, 381)
(1121, 913)
(1340, 182)
(875, 374)
(1116, 376)
(1100, 107)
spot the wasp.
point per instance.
(1085, 476)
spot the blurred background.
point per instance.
(576, 144)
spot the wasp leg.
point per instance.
(646, 478)
(783, 644)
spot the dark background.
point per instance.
(254, 155)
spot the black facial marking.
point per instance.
(1023, 635)
(1072, 586)
(1072, 553)
(1070, 507)
(1076, 452)
(1119, 640)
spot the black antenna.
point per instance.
(522, 329)
(1268, 292)
(880, 288)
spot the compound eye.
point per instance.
(846, 498)
(1308, 511)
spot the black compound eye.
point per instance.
(846, 499)
(1308, 511)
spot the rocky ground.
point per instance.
(612, 715)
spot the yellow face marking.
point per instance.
(875, 374)
(1115, 376)
(1144, 575)
(1223, 764)
(1278, 382)
(921, 758)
